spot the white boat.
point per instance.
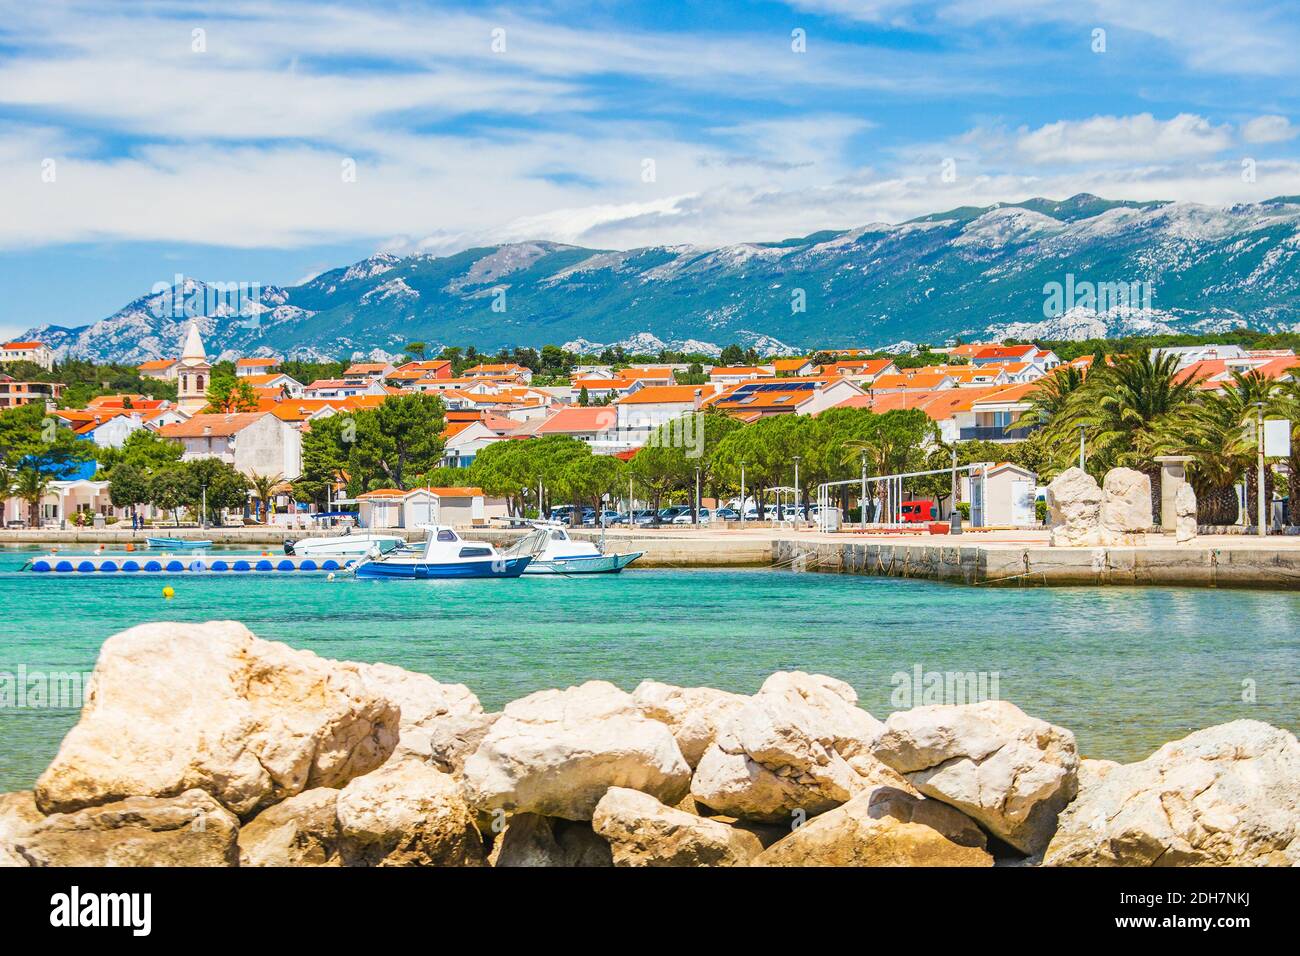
(445, 554)
(563, 555)
(354, 544)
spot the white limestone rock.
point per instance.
(1125, 507)
(300, 831)
(425, 704)
(178, 706)
(883, 826)
(190, 829)
(407, 813)
(1228, 795)
(1010, 772)
(555, 753)
(798, 747)
(693, 714)
(530, 839)
(643, 832)
(1074, 501)
(18, 814)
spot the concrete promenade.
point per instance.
(1002, 558)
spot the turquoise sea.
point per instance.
(1125, 669)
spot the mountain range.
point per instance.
(973, 272)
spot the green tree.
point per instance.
(128, 486)
(263, 488)
(1120, 408)
(144, 450)
(228, 394)
(30, 438)
(396, 441)
(325, 449)
(169, 490)
(31, 487)
(216, 482)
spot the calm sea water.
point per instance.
(1125, 669)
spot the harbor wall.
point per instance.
(1037, 565)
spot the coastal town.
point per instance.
(980, 399)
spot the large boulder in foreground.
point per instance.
(883, 826)
(798, 747)
(426, 704)
(453, 738)
(1074, 500)
(693, 714)
(530, 839)
(300, 831)
(1125, 507)
(178, 706)
(191, 829)
(556, 752)
(643, 832)
(407, 813)
(1010, 772)
(1224, 796)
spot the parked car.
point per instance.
(595, 518)
(918, 510)
(727, 514)
(642, 517)
(685, 517)
(670, 514)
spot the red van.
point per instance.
(918, 510)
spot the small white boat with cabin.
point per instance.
(445, 554)
(348, 544)
(564, 555)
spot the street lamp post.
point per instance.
(798, 495)
(1261, 522)
(742, 494)
(862, 495)
(697, 496)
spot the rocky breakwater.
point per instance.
(202, 745)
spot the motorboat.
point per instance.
(176, 544)
(445, 554)
(564, 555)
(347, 544)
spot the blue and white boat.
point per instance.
(563, 555)
(445, 554)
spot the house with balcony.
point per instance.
(14, 393)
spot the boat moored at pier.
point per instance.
(445, 554)
(564, 555)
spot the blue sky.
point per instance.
(143, 139)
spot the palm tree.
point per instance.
(1218, 431)
(1052, 396)
(6, 487)
(1119, 407)
(31, 487)
(264, 489)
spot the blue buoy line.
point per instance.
(100, 564)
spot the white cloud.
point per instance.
(1269, 129)
(1111, 139)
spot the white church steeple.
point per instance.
(194, 374)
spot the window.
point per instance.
(445, 534)
(476, 552)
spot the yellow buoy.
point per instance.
(168, 593)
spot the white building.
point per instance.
(36, 352)
(387, 508)
(254, 442)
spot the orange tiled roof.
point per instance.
(655, 394)
(220, 425)
(23, 345)
(579, 419)
(156, 365)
